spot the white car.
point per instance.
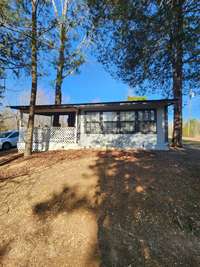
(8, 139)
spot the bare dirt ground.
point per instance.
(9, 155)
(101, 208)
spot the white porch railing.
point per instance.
(49, 138)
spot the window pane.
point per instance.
(152, 115)
(140, 115)
(110, 116)
(127, 116)
(152, 127)
(146, 115)
(127, 127)
(147, 127)
(110, 127)
(142, 127)
(92, 116)
(93, 127)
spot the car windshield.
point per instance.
(5, 134)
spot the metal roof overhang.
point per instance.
(64, 109)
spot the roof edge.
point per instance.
(167, 101)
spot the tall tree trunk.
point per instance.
(177, 89)
(178, 72)
(59, 76)
(30, 127)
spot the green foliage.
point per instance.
(15, 35)
(12, 42)
(137, 41)
(136, 98)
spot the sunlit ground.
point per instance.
(101, 208)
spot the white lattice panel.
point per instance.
(45, 138)
(63, 135)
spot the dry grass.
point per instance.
(108, 208)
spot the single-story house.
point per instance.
(125, 124)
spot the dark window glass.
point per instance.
(127, 116)
(14, 135)
(109, 116)
(143, 121)
(146, 121)
(127, 127)
(110, 122)
(147, 127)
(152, 115)
(110, 127)
(4, 134)
(92, 116)
(93, 127)
(146, 115)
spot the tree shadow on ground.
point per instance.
(4, 249)
(66, 201)
(143, 218)
(119, 185)
(141, 202)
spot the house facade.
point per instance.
(125, 124)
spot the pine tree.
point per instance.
(23, 43)
(70, 41)
(34, 74)
(36, 31)
(31, 34)
(11, 47)
(153, 45)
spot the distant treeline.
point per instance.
(191, 128)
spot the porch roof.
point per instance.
(64, 109)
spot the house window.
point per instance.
(110, 122)
(143, 121)
(146, 121)
(93, 124)
(127, 121)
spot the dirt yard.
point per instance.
(101, 208)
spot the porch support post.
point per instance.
(161, 143)
(166, 124)
(51, 120)
(76, 127)
(21, 119)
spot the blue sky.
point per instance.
(93, 84)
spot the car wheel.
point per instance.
(6, 146)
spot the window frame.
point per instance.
(118, 121)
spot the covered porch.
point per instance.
(47, 136)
